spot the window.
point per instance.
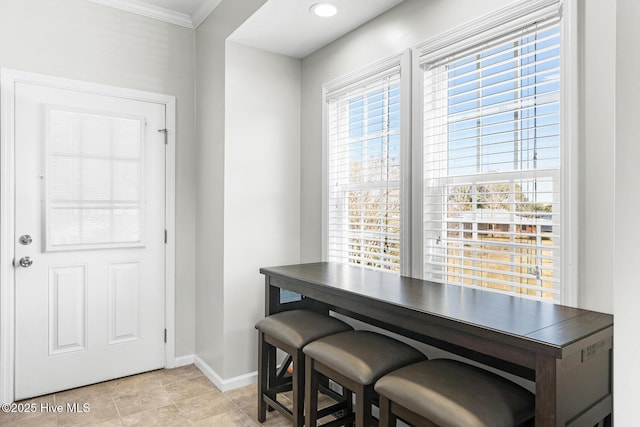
(478, 191)
(94, 180)
(363, 193)
(492, 160)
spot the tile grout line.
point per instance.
(173, 401)
(244, 412)
(113, 400)
(55, 402)
(240, 409)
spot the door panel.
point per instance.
(90, 194)
(124, 288)
(67, 309)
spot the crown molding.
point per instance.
(203, 11)
(150, 11)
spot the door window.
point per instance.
(94, 185)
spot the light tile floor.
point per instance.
(174, 397)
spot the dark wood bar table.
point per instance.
(566, 351)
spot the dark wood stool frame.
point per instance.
(272, 381)
(365, 396)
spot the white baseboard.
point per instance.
(228, 384)
(184, 360)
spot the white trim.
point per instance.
(8, 80)
(170, 227)
(203, 12)
(324, 242)
(406, 214)
(150, 11)
(358, 76)
(180, 361)
(417, 167)
(228, 384)
(570, 166)
(7, 219)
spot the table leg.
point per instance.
(272, 298)
(546, 391)
(577, 389)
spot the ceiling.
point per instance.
(287, 27)
(281, 26)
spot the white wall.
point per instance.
(627, 206)
(77, 39)
(413, 22)
(248, 187)
(210, 131)
(261, 189)
(404, 26)
(598, 20)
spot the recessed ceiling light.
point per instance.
(324, 10)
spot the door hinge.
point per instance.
(165, 335)
(165, 236)
(166, 135)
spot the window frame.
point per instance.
(402, 61)
(517, 14)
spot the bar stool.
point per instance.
(448, 393)
(289, 331)
(355, 360)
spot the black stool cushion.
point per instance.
(362, 356)
(297, 328)
(451, 393)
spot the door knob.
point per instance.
(25, 261)
(25, 239)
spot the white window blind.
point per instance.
(363, 224)
(492, 161)
(94, 176)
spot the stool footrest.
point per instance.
(340, 406)
(272, 403)
(347, 420)
(328, 392)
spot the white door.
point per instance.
(89, 238)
